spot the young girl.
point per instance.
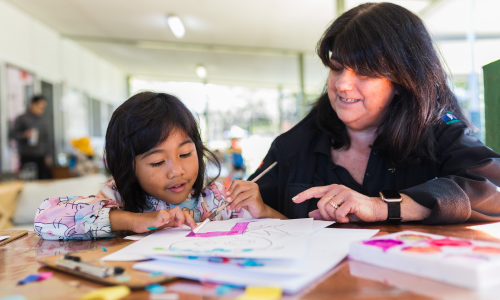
(157, 159)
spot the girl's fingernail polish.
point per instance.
(151, 228)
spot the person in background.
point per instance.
(237, 160)
(31, 131)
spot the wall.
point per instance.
(30, 45)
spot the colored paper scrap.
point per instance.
(109, 293)
(104, 249)
(261, 293)
(14, 297)
(167, 296)
(29, 279)
(223, 289)
(45, 275)
(154, 274)
(250, 263)
(74, 283)
(123, 278)
(36, 277)
(156, 289)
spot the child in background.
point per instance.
(156, 157)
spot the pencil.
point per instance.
(215, 213)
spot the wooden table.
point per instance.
(349, 280)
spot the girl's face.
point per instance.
(168, 171)
(359, 101)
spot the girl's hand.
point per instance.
(175, 217)
(246, 194)
(352, 206)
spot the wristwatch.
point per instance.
(393, 200)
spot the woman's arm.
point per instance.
(353, 206)
(467, 188)
(410, 210)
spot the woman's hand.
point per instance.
(352, 206)
(246, 194)
(143, 222)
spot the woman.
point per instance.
(387, 121)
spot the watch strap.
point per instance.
(394, 212)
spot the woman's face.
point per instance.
(169, 171)
(359, 101)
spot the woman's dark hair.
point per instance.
(141, 123)
(386, 40)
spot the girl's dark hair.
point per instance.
(386, 40)
(141, 123)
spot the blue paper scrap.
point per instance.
(156, 289)
(223, 289)
(14, 297)
(29, 278)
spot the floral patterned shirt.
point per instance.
(87, 218)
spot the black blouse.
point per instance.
(378, 175)
(463, 185)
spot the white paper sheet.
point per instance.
(277, 266)
(267, 239)
(317, 225)
(326, 249)
(4, 237)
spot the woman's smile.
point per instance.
(348, 100)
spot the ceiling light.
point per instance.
(175, 24)
(201, 71)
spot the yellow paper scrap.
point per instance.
(261, 293)
(109, 293)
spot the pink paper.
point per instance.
(44, 275)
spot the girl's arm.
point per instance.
(75, 217)
(246, 194)
(99, 216)
(144, 222)
(246, 197)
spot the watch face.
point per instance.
(390, 196)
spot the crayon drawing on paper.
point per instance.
(234, 238)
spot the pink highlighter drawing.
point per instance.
(239, 228)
